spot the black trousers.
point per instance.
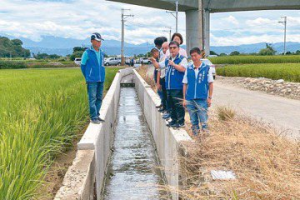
(164, 95)
(175, 98)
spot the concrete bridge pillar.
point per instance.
(198, 29)
(192, 30)
(207, 32)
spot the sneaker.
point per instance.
(95, 121)
(182, 125)
(166, 116)
(176, 125)
(161, 110)
(172, 124)
(101, 120)
(160, 106)
(195, 132)
(205, 131)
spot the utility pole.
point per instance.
(169, 30)
(123, 17)
(284, 22)
(175, 15)
(201, 24)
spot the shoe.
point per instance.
(171, 124)
(205, 131)
(160, 106)
(180, 125)
(101, 120)
(166, 116)
(161, 110)
(95, 121)
(175, 125)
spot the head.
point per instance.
(174, 48)
(165, 47)
(96, 40)
(177, 37)
(155, 53)
(196, 54)
(159, 41)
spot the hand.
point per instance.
(158, 86)
(184, 103)
(152, 60)
(171, 63)
(208, 102)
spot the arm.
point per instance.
(84, 59)
(155, 63)
(158, 80)
(184, 92)
(210, 93)
(181, 67)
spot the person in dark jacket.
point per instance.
(92, 67)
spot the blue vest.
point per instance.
(197, 88)
(173, 76)
(93, 70)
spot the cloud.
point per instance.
(79, 18)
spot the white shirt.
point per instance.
(210, 77)
(162, 65)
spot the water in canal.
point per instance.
(134, 171)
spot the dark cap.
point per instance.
(96, 36)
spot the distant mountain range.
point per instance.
(64, 46)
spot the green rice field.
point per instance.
(41, 110)
(286, 71)
(255, 59)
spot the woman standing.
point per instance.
(177, 37)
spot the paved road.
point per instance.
(282, 112)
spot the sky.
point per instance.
(77, 19)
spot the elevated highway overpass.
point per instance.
(198, 13)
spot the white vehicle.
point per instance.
(77, 61)
(145, 61)
(212, 66)
(112, 61)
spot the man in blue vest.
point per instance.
(175, 68)
(92, 67)
(198, 90)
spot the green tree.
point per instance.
(213, 53)
(235, 53)
(269, 50)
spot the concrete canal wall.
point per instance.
(87, 174)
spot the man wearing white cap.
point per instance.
(92, 67)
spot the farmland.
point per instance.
(255, 59)
(40, 112)
(288, 71)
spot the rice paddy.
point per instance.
(40, 112)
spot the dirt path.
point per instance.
(283, 113)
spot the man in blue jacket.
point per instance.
(92, 67)
(175, 68)
(197, 91)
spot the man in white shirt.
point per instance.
(197, 91)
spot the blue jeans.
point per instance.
(198, 113)
(95, 92)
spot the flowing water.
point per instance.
(133, 172)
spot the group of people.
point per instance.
(182, 84)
